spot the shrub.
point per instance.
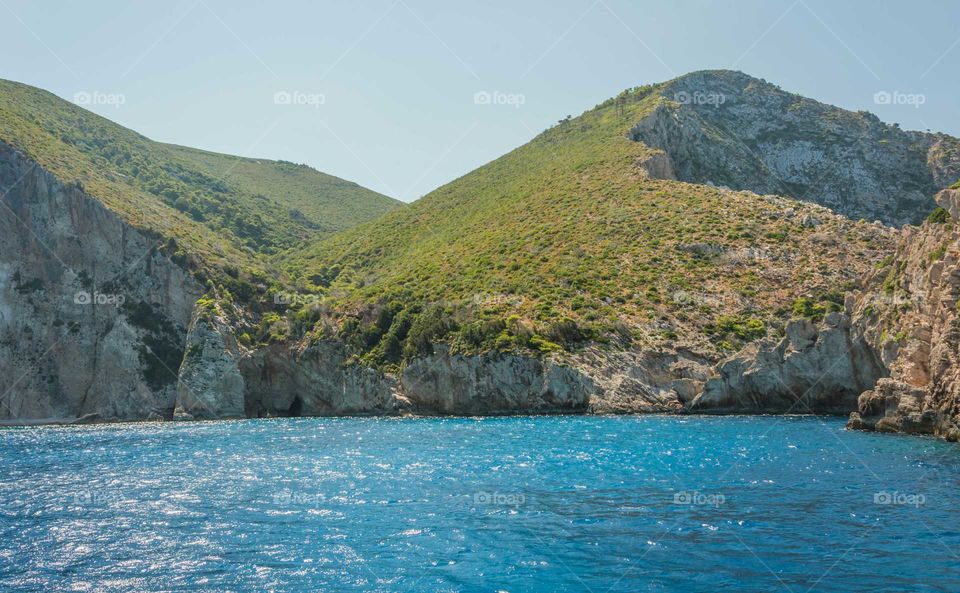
(744, 329)
(938, 253)
(543, 345)
(478, 336)
(428, 327)
(814, 310)
(938, 216)
(565, 331)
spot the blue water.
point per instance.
(498, 504)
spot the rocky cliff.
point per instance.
(729, 129)
(93, 316)
(815, 368)
(909, 314)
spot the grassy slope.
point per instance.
(327, 203)
(563, 239)
(221, 211)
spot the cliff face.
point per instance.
(892, 360)
(314, 380)
(730, 129)
(209, 384)
(319, 380)
(92, 316)
(909, 314)
(815, 368)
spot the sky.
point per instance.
(403, 96)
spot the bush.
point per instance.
(743, 328)
(478, 336)
(809, 308)
(938, 216)
(565, 331)
(543, 345)
(428, 327)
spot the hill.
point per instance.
(573, 239)
(108, 242)
(218, 208)
(637, 258)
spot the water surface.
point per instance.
(594, 504)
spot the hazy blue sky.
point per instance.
(398, 77)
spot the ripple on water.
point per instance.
(515, 504)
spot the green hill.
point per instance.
(221, 210)
(321, 202)
(568, 239)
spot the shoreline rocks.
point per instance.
(815, 368)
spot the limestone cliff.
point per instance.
(319, 379)
(93, 316)
(313, 380)
(209, 384)
(815, 368)
(909, 314)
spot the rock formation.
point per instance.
(815, 368)
(93, 317)
(909, 314)
(730, 129)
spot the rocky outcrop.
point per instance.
(209, 385)
(314, 380)
(319, 380)
(894, 406)
(815, 368)
(493, 383)
(642, 382)
(909, 314)
(949, 200)
(93, 316)
(733, 130)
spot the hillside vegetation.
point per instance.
(567, 240)
(215, 211)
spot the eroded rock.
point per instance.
(210, 385)
(815, 368)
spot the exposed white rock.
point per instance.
(91, 312)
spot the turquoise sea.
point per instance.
(595, 504)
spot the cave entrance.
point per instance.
(296, 407)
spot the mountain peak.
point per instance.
(727, 128)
